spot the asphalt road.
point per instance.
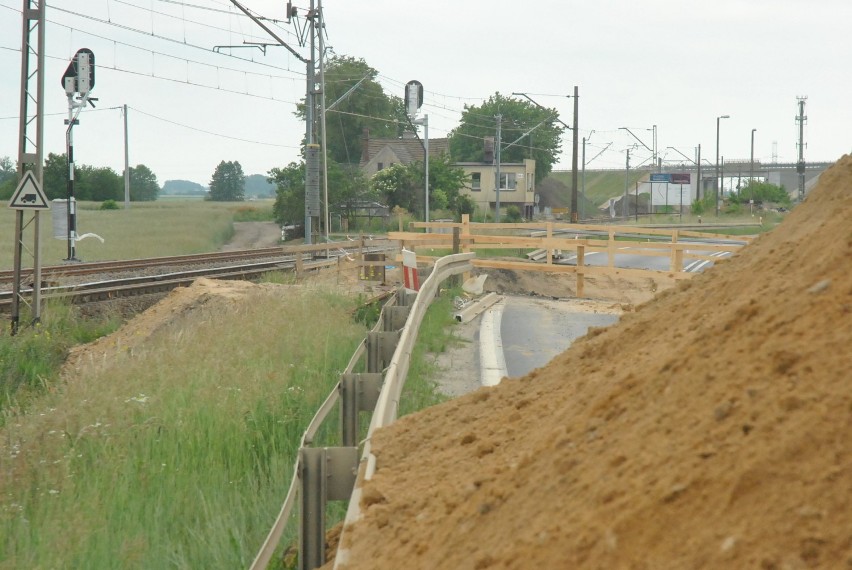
(534, 332)
(519, 334)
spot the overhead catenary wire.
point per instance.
(435, 101)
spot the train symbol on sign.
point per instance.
(28, 199)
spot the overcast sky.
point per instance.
(638, 63)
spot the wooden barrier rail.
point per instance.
(550, 236)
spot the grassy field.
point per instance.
(147, 229)
(601, 185)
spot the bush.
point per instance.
(109, 205)
(513, 214)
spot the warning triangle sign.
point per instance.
(29, 195)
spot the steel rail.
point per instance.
(131, 286)
(116, 266)
(90, 267)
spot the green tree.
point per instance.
(539, 134)
(446, 181)
(7, 169)
(289, 207)
(347, 186)
(56, 176)
(366, 107)
(7, 188)
(402, 185)
(97, 184)
(761, 192)
(228, 183)
(143, 184)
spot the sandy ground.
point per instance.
(722, 440)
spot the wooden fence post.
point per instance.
(549, 227)
(610, 248)
(676, 254)
(581, 272)
(465, 240)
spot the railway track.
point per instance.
(127, 278)
(68, 270)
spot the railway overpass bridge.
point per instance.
(736, 172)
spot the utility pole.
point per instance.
(312, 190)
(574, 156)
(583, 174)
(327, 220)
(574, 218)
(657, 163)
(699, 190)
(30, 146)
(426, 160)
(718, 180)
(497, 171)
(126, 165)
(311, 194)
(751, 168)
(626, 185)
(800, 165)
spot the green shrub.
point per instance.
(109, 205)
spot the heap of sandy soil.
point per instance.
(710, 429)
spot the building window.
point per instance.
(379, 166)
(508, 181)
(476, 181)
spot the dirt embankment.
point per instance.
(710, 429)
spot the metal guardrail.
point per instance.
(387, 406)
(326, 473)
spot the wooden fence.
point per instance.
(550, 239)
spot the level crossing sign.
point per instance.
(29, 195)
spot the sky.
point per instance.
(665, 66)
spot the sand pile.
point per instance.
(710, 429)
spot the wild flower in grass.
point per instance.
(141, 399)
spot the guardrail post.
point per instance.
(358, 393)
(300, 264)
(405, 298)
(393, 318)
(465, 244)
(326, 474)
(380, 349)
(455, 279)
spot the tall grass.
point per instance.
(435, 337)
(179, 453)
(30, 360)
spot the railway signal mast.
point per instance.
(78, 81)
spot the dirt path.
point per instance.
(248, 235)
